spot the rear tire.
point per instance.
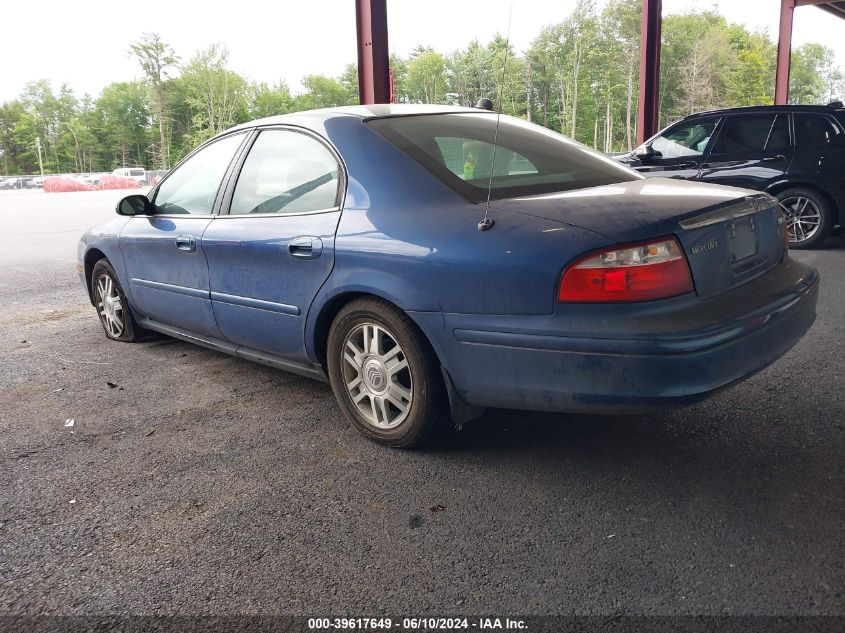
(385, 375)
(112, 305)
(809, 216)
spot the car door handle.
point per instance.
(187, 243)
(774, 158)
(687, 165)
(305, 247)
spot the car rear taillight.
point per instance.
(656, 269)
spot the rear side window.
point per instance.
(815, 130)
(286, 172)
(744, 133)
(527, 159)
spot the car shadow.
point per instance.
(832, 243)
(696, 461)
(515, 430)
(715, 450)
(737, 466)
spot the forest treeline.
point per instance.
(579, 77)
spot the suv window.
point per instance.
(779, 136)
(687, 139)
(192, 186)
(286, 172)
(744, 133)
(458, 149)
(815, 130)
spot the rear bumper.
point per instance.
(618, 358)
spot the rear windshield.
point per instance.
(529, 160)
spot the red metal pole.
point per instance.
(373, 59)
(787, 8)
(647, 106)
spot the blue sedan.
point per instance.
(430, 264)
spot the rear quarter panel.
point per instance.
(823, 168)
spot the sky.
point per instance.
(85, 44)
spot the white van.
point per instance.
(135, 173)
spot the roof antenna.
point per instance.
(487, 222)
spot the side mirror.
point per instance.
(646, 152)
(136, 204)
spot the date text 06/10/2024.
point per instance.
(417, 624)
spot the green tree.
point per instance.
(156, 59)
(270, 100)
(426, 79)
(620, 28)
(811, 75)
(470, 74)
(121, 120)
(13, 117)
(323, 92)
(578, 76)
(751, 77)
(349, 81)
(399, 67)
(217, 97)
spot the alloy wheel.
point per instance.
(110, 306)
(803, 218)
(376, 375)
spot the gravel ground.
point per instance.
(197, 483)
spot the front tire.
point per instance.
(385, 375)
(111, 304)
(809, 217)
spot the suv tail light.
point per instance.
(656, 269)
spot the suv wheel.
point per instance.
(808, 215)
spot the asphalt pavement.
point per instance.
(192, 482)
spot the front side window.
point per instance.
(286, 172)
(814, 130)
(687, 139)
(746, 133)
(192, 187)
(458, 148)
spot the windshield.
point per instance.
(459, 149)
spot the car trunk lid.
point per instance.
(729, 235)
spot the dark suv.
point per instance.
(796, 153)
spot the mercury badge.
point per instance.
(706, 246)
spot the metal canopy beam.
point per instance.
(373, 58)
(647, 106)
(787, 8)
